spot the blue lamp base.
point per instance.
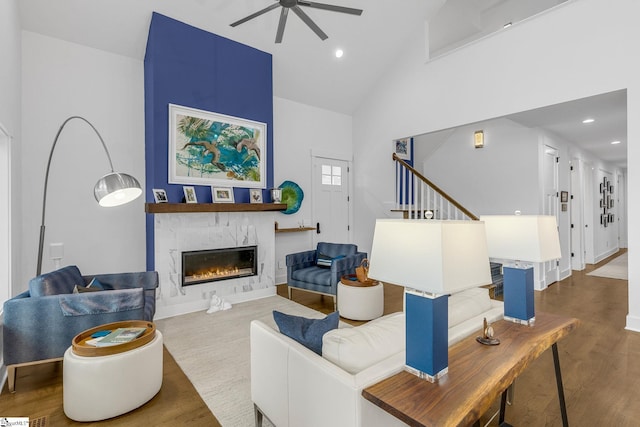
(518, 295)
(427, 334)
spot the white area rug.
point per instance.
(213, 351)
(617, 268)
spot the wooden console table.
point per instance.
(477, 375)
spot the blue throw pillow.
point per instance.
(325, 260)
(96, 285)
(307, 332)
(61, 281)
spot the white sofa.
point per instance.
(294, 387)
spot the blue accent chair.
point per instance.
(304, 273)
(39, 324)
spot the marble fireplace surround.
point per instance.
(189, 231)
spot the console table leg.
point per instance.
(503, 407)
(563, 406)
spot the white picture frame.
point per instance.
(255, 195)
(205, 146)
(189, 194)
(160, 195)
(402, 148)
(222, 194)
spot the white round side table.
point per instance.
(360, 302)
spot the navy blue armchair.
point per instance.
(303, 271)
(39, 324)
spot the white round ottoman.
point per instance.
(360, 302)
(97, 388)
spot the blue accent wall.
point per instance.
(187, 66)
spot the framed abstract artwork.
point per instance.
(402, 148)
(207, 148)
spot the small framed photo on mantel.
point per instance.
(189, 194)
(160, 195)
(255, 195)
(222, 194)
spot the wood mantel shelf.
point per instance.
(161, 208)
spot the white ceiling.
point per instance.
(305, 68)
(609, 112)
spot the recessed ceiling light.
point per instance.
(339, 53)
(508, 24)
(586, 121)
(615, 142)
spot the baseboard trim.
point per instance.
(633, 323)
(163, 312)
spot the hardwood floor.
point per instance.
(600, 367)
(600, 361)
(39, 397)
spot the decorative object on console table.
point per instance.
(113, 189)
(530, 238)
(457, 259)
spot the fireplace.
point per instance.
(218, 264)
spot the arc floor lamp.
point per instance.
(113, 189)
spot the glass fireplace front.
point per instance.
(218, 264)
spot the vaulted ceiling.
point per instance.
(305, 68)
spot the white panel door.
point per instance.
(331, 200)
(577, 213)
(550, 182)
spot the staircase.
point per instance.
(419, 198)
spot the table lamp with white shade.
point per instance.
(431, 259)
(521, 238)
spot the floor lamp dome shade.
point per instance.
(113, 189)
(116, 189)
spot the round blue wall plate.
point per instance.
(292, 196)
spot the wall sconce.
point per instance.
(478, 139)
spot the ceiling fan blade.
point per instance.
(255, 15)
(324, 6)
(281, 24)
(309, 22)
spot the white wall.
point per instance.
(61, 79)
(503, 176)
(495, 180)
(10, 116)
(299, 130)
(580, 49)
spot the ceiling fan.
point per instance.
(295, 6)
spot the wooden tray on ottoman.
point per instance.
(351, 280)
(81, 348)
